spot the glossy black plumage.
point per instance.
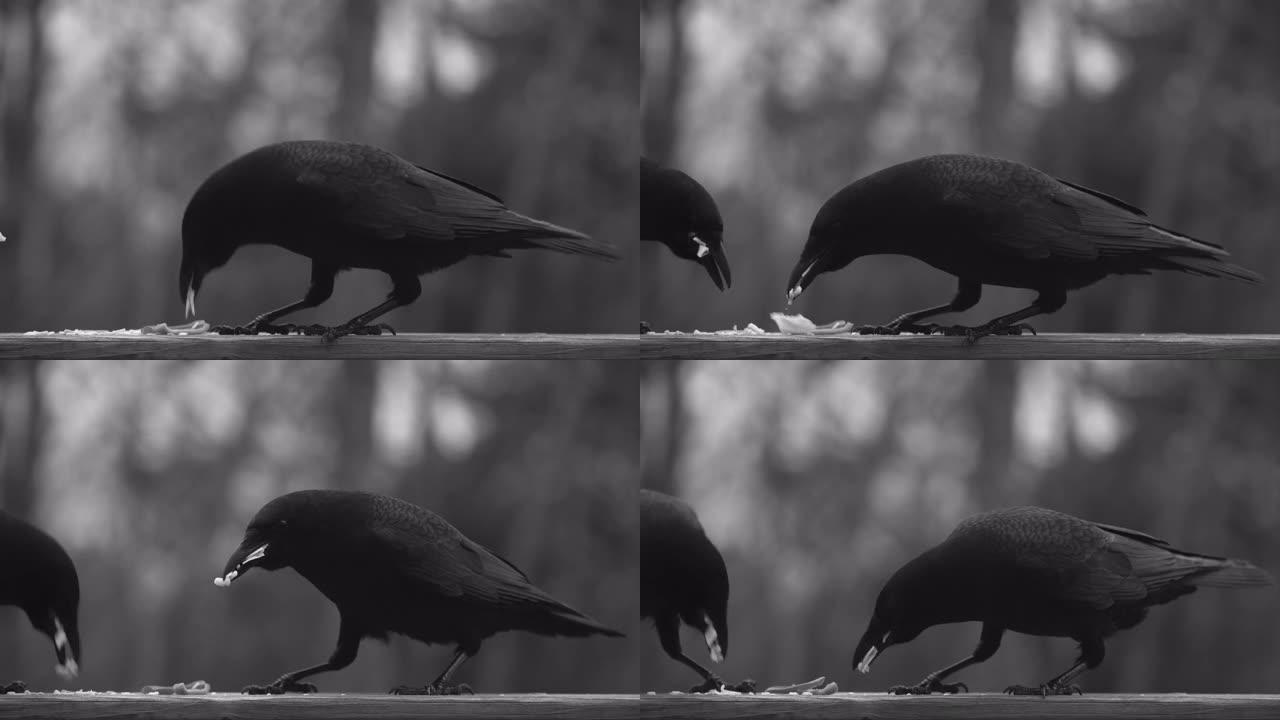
(678, 212)
(37, 575)
(353, 206)
(995, 222)
(1038, 572)
(393, 567)
(682, 578)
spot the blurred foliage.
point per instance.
(112, 113)
(774, 106)
(818, 480)
(148, 474)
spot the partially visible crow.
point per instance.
(682, 577)
(38, 576)
(1038, 572)
(678, 212)
(995, 222)
(393, 567)
(353, 206)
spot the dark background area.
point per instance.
(818, 480)
(774, 106)
(148, 473)
(111, 114)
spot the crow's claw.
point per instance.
(253, 328)
(1044, 690)
(711, 683)
(333, 333)
(433, 689)
(928, 686)
(875, 330)
(17, 686)
(747, 687)
(279, 687)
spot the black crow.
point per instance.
(682, 577)
(1038, 572)
(995, 222)
(678, 212)
(352, 206)
(393, 567)
(38, 576)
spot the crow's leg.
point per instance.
(988, 643)
(669, 635)
(441, 686)
(404, 290)
(967, 295)
(1091, 654)
(17, 686)
(1048, 301)
(343, 655)
(321, 289)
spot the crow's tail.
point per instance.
(1202, 258)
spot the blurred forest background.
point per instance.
(112, 113)
(818, 480)
(148, 474)
(774, 106)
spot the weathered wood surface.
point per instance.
(324, 706)
(846, 706)
(652, 346)
(874, 706)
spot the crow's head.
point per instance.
(299, 530)
(716, 602)
(902, 613)
(849, 225)
(274, 537)
(206, 245)
(681, 214)
(47, 589)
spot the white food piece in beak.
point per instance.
(257, 554)
(191, 302)
(2, 237)
(713, 640)
(864, 667)
(794, 293)
(702, 247)
(67, 669)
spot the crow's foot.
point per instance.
(1044, 690)
(333, 333)
(973, 334)
(875, 330)
(711, 683)
(747, 686)
(254, 328)
(279, 687)
(928, 686)
(433, 689)
(17, 686)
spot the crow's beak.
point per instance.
(713, 640)
(67, 666)
(867, 652)
(713, 259)
(191, 303)
(245, 557)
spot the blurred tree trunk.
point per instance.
(665, 55)
(355, 32)
(995, 393)
(995, 35)
(21, 431)
(354, 390)
(22, 75)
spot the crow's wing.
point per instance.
(434, 555)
